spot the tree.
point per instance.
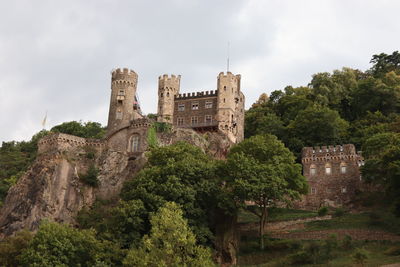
(86, 130)
(384, 63)
(181, 173)
(382, 164)
(61, 245)
(262, 170)
(12, 247)
(318, 125)
(170, 242)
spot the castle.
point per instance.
(220, 110)
(332, 171)
(333, 175)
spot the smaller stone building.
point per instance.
(333, 175)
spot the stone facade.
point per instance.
(333, 175)
(218, 110)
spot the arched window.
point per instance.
(328, 168)
(343, 167)
(313, 170)
(134, 143)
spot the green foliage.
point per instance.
(86, 130)
(181, 173)
(393, 251)
(261, 169)
(152, 137)
(170, 242)
(347, 243)
(61, 245)
(162, 127)
(360, 256)
(121, 223)
(15, 158)
(12, 247)
(339, 212)
(323, 211)
(90, 177)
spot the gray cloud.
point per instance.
(57, 55)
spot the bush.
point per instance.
(323, 211)
(347, 242)
(90, 178)
(374, 219)
(393, 251)
(360, 256)
(339, 212)
(300, 257)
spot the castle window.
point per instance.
(195, 120)
(313, 170)
(133, 143)
(168, 94)
(224, 100)
(179, 121)
(208, 119)
(118, 115)
(343, 168)
(328, 169)
(341, 148)
(181, 107)
(208, 104)
(162, 94)
(344, 189)
(224, 88)
(313, 190)
(195, 105)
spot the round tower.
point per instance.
(123, 90)
(229, 98)
(168, 88)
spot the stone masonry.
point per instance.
(332, 173)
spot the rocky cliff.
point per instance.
(52, 187)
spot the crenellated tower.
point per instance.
(230, 105)
(168, 88)
(123, 91)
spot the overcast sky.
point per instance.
(56, 56)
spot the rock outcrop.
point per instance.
(52, 187)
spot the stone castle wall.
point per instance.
(333, 175)
(65, 142)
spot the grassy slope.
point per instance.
(276, 214)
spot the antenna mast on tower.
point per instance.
(227, 59)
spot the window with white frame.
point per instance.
(134, 143)
(195, 120)
(343, 168)
(313, 170)
(328, 169)
(208, 104)
(118, 115)
(195, 105)
(208, 119)
(179, 121)
(313, 190)
(344, 189)
(181, 107)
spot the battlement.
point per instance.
(167, 77)
(327, 153)
(123, 74)
(229, 75)
(60, 141)
(141, 123)
(197, 94)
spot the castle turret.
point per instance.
(168, 88)
(123, 90)
(230, 105)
